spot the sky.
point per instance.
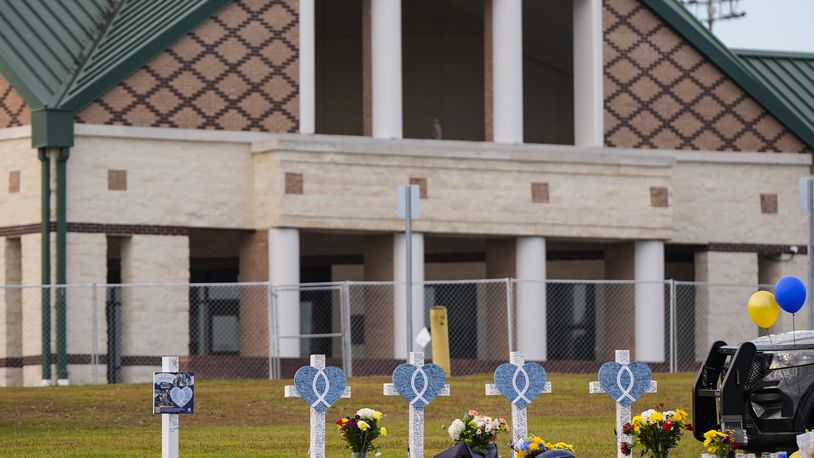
(778, 25)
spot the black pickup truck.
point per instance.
(763, 390)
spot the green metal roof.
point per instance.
(41, 43)
(740, 71)
(63, 54)
(789, 75)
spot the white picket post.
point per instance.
(169, 422)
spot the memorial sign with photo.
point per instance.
(173, 392)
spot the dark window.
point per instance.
(571, 321)
(214, 311)
(357, 325)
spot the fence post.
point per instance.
(673, 327)
(272, 332)
(344, 312)
(510, 312)
(94, 334)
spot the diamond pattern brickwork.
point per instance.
(13, 110)
(237, 71)
(660, 92)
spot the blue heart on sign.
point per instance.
(419, 385)
(320, 388)
(624, 383)
(520, 384)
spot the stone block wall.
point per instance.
(720, 308)
(32, 311)
(11, 372)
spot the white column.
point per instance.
(385, 58)
(307, 67)
(154, 320)
(507, 70)
(400, 292)
(87, 326)
(588, 101)
(284, 269)
(531, 298)
(649, 308)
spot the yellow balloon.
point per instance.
(763, 309)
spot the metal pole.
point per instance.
(509, 312)
(275, 307)
(673, 326)
(409, 249)
(62, 269)
(344, 312)
(810, 252)
(270, 325)
(45, 243)
(94, 335)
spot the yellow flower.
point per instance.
(344, 420)
(538, 440)
(563, 446)
(680, 415)
(655, 417)
(363, 425)
(383, 431)
(637, 420)
(377, 415)
(534, 446)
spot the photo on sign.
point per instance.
(173, 392)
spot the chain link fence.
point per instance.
(118, 333)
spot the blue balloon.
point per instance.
(790, 293)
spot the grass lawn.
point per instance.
(251, 418)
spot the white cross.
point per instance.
(416, 432)
(317, 444)
(169, 421)
(519, 417)
(622, 412)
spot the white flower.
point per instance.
(455, 429)
(669, 413)
(366, 413)
(646, 414)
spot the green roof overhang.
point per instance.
(51, 128)
(61, 56)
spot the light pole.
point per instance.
(407, 206)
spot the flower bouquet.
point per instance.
(656, 431)
(719, 443)
(360, 430)
(535, 446)
(475, 436)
